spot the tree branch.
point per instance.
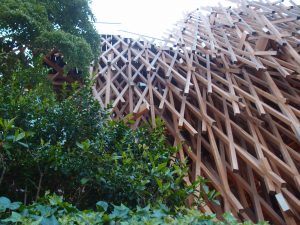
(2, 175)
(39, 186)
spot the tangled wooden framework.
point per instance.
(58, 77)
(227, 87)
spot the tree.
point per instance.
(74, 17)
(29, 28)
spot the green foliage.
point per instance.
(22, 21)
(74, 17)
(31, 27)
(77, 52)
(71, 147)
(135, 167)
(6, 204)
(53, 210)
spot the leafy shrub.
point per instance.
(71, 147)
(53, 210)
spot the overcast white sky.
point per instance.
(146, 17)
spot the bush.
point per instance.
(71, 147)
(53, 210)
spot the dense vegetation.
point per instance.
(71, 147)
(53, 210)
(68, 146)
(29, 28)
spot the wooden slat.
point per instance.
(228, 89)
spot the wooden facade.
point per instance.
(227, 86)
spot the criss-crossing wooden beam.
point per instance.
(227, 86)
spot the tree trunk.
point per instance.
(39, 186)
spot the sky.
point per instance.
(146, 17)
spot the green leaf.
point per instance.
(6, 145)
(79, 145)
(14, 218)
(166, 186)
(162, 166)
(85, 145)
(23, 144)
(44, 211)
(4, 202)
(10, 137)
(106, 218)
(158, 213)
(37, 222)
(120, 211)
(9, 123)
(55, 200)
(206, 189)
(29, 134)
(229, 218)
(84, 180)
(116, 157)
(143, 210)
(14, 205)
(216, 202)
(2, 208)
(50, 221)
(19, 136)
(210, 194)
(159, 183)
(102, 205)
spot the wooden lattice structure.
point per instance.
(58, 77)
(227, 87)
